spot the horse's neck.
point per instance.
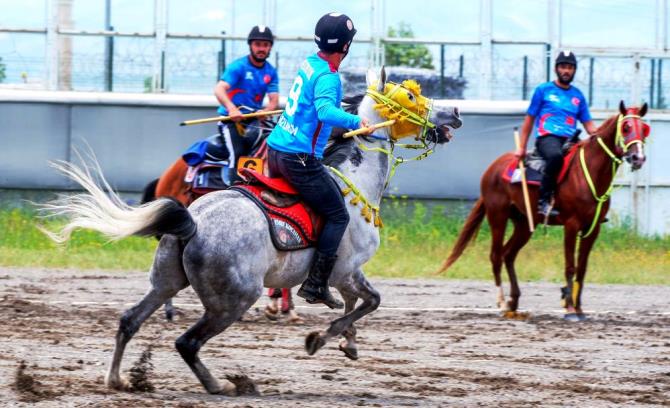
(369, 170)
(599, 162)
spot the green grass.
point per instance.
(415, 241)
(22, 244)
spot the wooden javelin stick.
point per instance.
(225, 118)
(375, 127)
(524, 184)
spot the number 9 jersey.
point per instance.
(312, 109)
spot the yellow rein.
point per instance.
(619, 141)
(370, 211)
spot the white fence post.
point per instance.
(51, 49)
(485, 37)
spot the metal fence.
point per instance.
(59, 56)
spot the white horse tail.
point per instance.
(108, 214)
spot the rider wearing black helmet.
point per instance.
(242, 88)
(297, 143)
(555, 108)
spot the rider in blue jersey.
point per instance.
(241, 89)
(555, 109)
(297, 143)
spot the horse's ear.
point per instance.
(643, 109)
(382, 80)
(622, 108)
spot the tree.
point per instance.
(409, 55)
(2, 70)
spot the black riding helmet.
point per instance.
(334, 32)
(262, 33)
(566, 57)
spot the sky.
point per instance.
(586, 23)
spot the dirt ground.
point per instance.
(432, 343)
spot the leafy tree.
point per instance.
(410, 55)
(148, 84)
(2, 70)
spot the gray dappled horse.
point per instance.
(221, 246)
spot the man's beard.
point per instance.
(258, 59)
(565, 81)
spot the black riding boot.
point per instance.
(315, 288)
(544, 207)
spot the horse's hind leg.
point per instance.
(167, 279)
(519, 238)
(497, 219)
(348, 344)
(224, 305)
(360, 288)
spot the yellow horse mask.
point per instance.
(405, 104)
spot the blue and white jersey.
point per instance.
(312, 109)
(556, 110)
(249, 83)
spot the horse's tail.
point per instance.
(468, 233)
(108, 214)
(149, 192)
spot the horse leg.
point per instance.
(569, 244)
(518, 240)
(348, 344)
(167, 279)
(169, 310)
(360, 288)
(222, 308)
(498, 223)
(585, 246)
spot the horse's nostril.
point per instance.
(457, 113)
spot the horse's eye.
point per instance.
(410, 96)
(626, 128)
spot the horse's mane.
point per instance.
(339, 149)
(608, 127)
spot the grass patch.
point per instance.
(22, 244)
(415, 241)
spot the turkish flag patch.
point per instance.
(266, 78)
(575, 101)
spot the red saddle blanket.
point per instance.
(534, 177)
(292, 227)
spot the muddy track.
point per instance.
(431, 343)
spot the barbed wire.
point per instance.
(193, 65)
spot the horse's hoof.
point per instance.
(514, 315)
(229, 389)
(350, 352)
(294, 318)
(271, 313)
(572, 317)
(118, 383)
(313, 342)
(242, 385)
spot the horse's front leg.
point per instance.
(357, 286)
(348, 344)
(585, 247)
(569, 244)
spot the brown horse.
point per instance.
(583, 205)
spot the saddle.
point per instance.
(535, 165)
(208, 176)
(293, 225)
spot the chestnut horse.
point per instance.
(582, 198)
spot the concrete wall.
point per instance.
(136, 136)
